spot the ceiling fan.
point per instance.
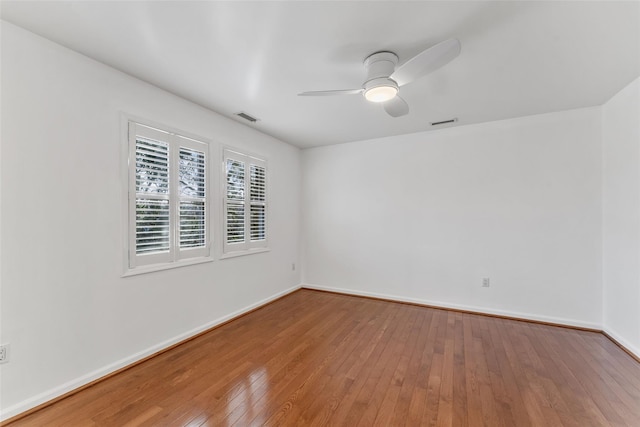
(384, 80)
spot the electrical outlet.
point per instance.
(486, 282)
(293, 266)
(4, 353)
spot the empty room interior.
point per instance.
(320, 213)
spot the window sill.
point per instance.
(245, 252)
(168, 266)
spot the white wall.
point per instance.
(424, 217)
(621, 216)
(66, 311)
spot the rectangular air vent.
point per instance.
(246, 117)
(444, 122)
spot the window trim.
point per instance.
(176, 257)
(247, 247)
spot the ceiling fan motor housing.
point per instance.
(380, 66)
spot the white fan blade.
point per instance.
(426, 61)
(396, 107)
(331, 92)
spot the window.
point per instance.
(245, 203)
(168, 204)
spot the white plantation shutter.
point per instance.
(152, 196)
(234, 206)
(168, 184)
(192, 187)
(149, 196)
(258, 182)
(245, 202)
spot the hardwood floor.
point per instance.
(315, 358)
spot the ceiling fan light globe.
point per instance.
(380, 93)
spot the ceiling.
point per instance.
(518, 58)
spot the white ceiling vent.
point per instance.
(247, 117)
(444, 122)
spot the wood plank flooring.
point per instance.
(315, 358)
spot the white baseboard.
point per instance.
(623, 342)
(60, 390)
(480, 310)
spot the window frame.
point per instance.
(135, 263)
(247, 246)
